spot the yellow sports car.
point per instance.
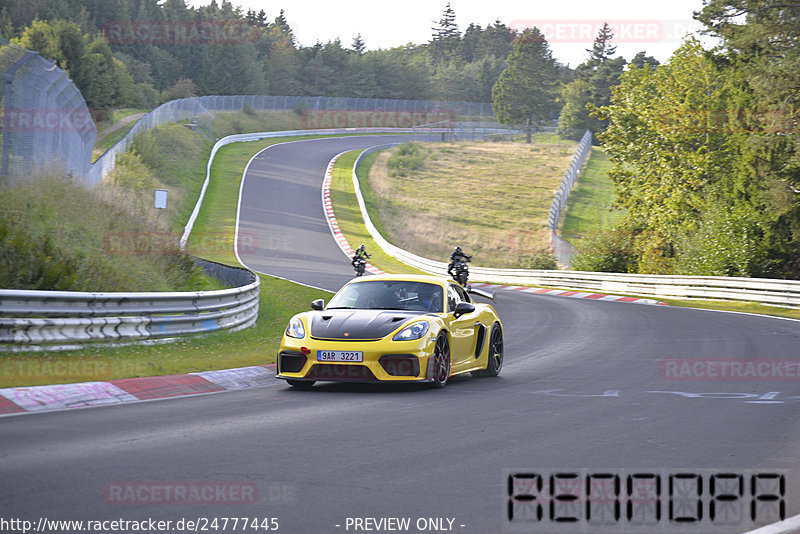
(393, 328)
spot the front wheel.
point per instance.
(441, 361)
(495, 362)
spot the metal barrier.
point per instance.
(562, 249)
(768, 291)
(33, 320)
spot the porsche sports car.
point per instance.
(392, 328)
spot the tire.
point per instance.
(300, 384)
(495, 361)
(462, 278)
(441, 364)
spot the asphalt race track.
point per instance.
(584, 387)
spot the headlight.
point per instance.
(295, 328)
(412, 331)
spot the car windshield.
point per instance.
(390, 295)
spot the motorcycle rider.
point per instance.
(361, 254)
(456, 258)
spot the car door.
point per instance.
(462, 329)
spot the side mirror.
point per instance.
(463, 308)
(318, 305)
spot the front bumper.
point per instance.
(384, 360)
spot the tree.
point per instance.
(591, 88)
(601, 50)
(526, 89)
(358, 45)
(446, 41)
(668, 146)
(469, 42)
(641, 59)
(183, 88)
(232, 70)
(283, 28)
(41, 37)
(761, 50)
(102, 91)
(73, 47)
(496, 40)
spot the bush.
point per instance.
(728, 242)
(57, 235)
(543, 259)
(611, 251)
(407, 157)
(166, 149)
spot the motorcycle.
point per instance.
(360, 265)
(459, 271)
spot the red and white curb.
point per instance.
(570, 294)
(327, 206)
(81, 395)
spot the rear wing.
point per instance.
(480, 292)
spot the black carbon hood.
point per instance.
(358, 324)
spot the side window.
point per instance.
(452, 299)
(463, 295)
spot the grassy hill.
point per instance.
(492, 199)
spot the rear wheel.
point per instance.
(300, 384)
(441, 361)
(495, 362)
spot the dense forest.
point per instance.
(139, 53)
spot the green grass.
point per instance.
(108, 141)
(348, 215)
(588, 209)
(57, 235)
(492, 199)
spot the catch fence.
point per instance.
(46, 126)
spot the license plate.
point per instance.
(340, 356)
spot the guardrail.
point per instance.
(763, 290)
(32, 320)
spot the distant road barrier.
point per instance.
(60, 320)
(561, 248)
(763, 290)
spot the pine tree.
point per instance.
(358, 45)
(446, 41)
(526, 89)
(601, 50)
(591, 89)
